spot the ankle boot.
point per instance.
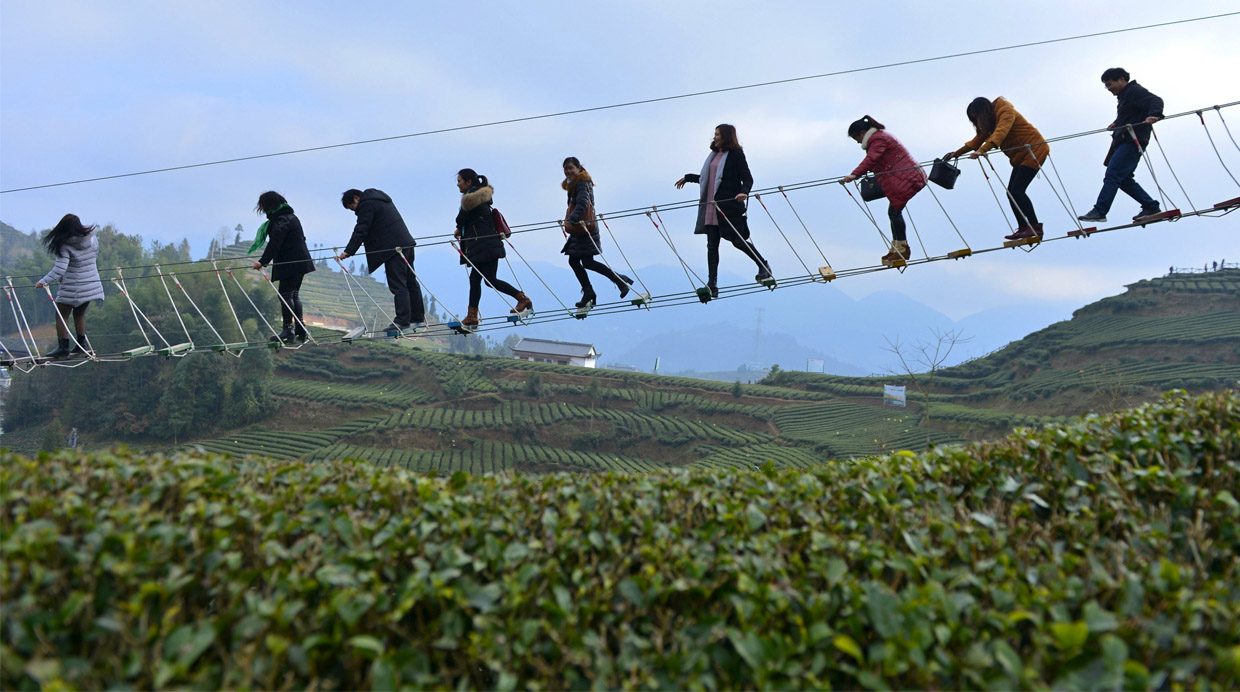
(471, 318)
(82, 346)
(523, 303)
(285, 336)
(587, 298)
(63, 348)
(626, 285)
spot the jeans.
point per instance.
(406, 294)
(896, 216)
(291, 304)
(1120, 168)
(1022, 206)
(487, 270)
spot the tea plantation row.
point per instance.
(1098, 554)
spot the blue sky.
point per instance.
(90, 89)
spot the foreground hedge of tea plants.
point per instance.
(1096, 554)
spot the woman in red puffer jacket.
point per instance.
(896, 172)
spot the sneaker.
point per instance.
(1147, 211)
(394, 329)
(1094, 216)
(1024, 232)
(413, 328)
(763, 275)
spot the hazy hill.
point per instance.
(15, 245)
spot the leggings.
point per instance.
(579, 265)
(487, 270)
(289, 290)
(1022, 206)
(897, 222)
(716, 233)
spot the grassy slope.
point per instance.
(1100, 554)
(1179, 331)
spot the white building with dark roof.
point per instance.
(558, 352)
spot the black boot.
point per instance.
(82, 346)
(587, 298)
(299, 332)
(714, 288)
(285, 336)
(63, 348)
(626, 285)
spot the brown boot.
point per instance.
(899, 252)
(471, 318)
(523, 303)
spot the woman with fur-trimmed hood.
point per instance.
(584, 241)
(481, 246)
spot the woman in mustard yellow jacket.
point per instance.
(999, 126)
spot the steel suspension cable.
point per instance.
(1215, 148)
(781, 232)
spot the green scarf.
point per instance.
(261, 236)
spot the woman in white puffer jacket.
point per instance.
(75, 248)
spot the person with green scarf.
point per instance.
(289, 259)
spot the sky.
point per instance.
(93, 89)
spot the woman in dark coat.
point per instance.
(481, 246)
(289, 259)
(75, 248)
(584, 241)
(726, 182)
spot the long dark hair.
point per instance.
(727, 133)
(471, 176)
(70, 225)
(863, 125)
(269, 201)
(981, 113)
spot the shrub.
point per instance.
(1096, 554)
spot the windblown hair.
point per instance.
(860, 127)
(70, 225)
(269, 201)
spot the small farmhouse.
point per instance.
(558, 352)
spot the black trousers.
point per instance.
(487, 270)
(289, 289)
(898, 229)
(1022, 206)
(716, 233)
(579, 265)
(406, 294)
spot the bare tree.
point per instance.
(921, 360)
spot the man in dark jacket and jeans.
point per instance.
(1139, 109)
(381, 230)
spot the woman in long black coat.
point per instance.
(584, 241)
(726, 182)
(289, 259)
(481, 246)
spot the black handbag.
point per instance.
(870, 189)
(944, 174)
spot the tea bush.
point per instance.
(1100, 553)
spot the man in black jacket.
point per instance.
(381, 230)
(1137, 108)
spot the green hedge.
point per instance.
(1097, 554)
